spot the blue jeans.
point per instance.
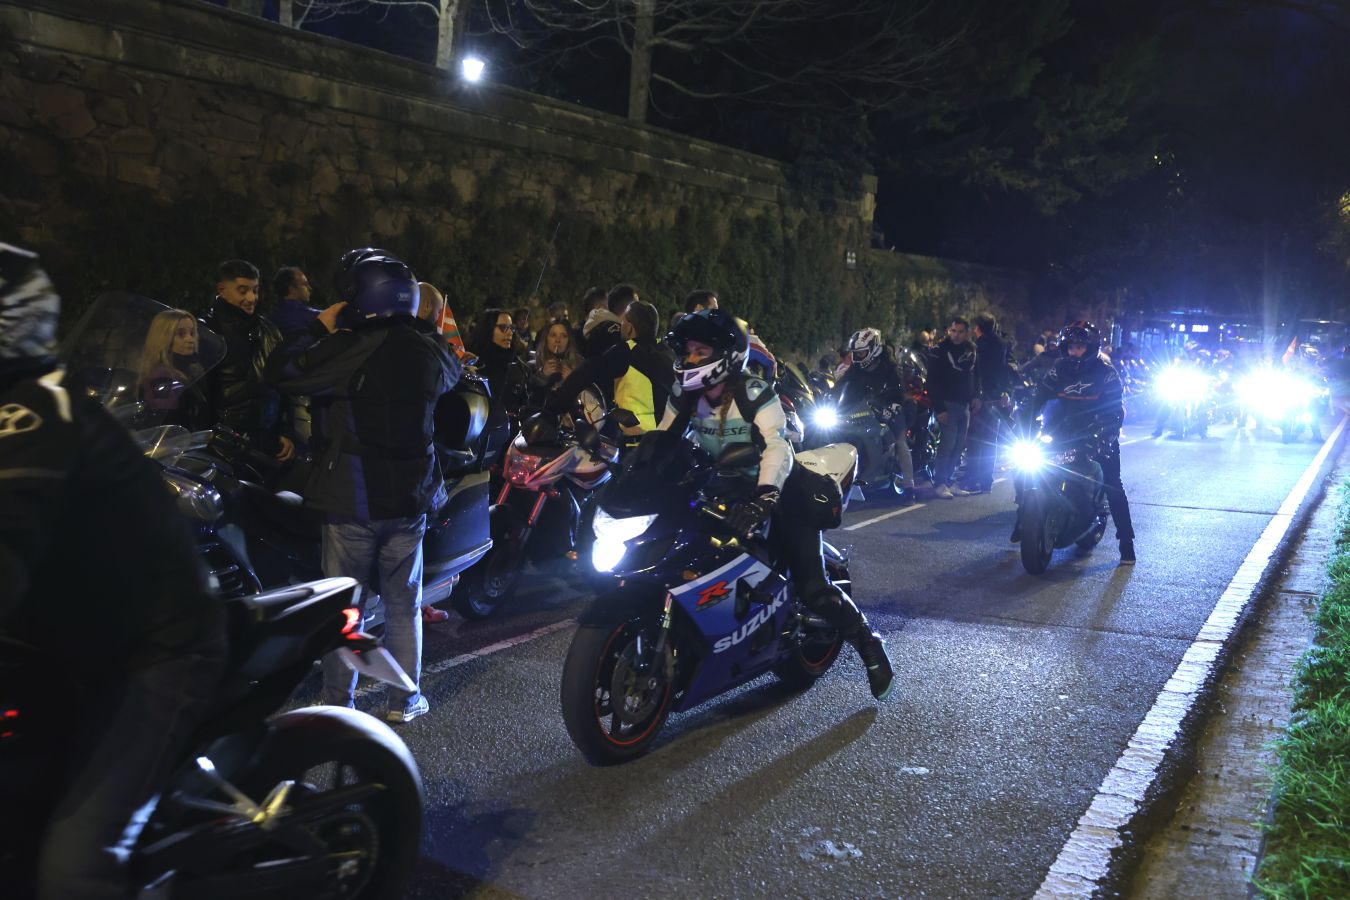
(951, 444)
(129, 734)
(385, 555)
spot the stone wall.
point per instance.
(142, 141)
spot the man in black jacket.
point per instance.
(1091, 392)
(991, 377)
(639, 371)
(374, 390)
(952, 387)
(98, 571)
(236, 391)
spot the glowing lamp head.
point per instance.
(472, 68)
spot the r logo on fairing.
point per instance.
(749, 627)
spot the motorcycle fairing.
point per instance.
(732, 627)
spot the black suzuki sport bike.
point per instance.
(1061, 492)
(322, 802)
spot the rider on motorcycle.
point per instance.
(1090, 388)
(132, 624)
(721, 406)
(888, 386)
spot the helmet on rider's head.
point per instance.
(29, 310)
(866, 347)
(718, 330)
(1080, 332)
(342, 276)
(382, 286)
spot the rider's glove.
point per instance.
(748, 515)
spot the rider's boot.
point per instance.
(837, 608)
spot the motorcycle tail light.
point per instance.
(353, 617)
(520, 466)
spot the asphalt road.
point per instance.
(1018, 694)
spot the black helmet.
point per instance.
(343, 288)
(717, 329)
(381, 286)
(1080, 333)
(29, 310)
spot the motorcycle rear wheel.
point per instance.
(603, 668)
(375, 842)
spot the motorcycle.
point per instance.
(315, 802)
(548, 483)
(1061, 490)
(1283, 399)
(283, 536)
(219, 478)
(1184, 395)
(848, 417)
(697, 610)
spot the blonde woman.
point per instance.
(170, 368)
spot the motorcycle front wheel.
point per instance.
(1035, 544)
(492, 582)
(615, 695)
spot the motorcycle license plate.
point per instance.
(377, 663)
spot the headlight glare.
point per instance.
(611, 537)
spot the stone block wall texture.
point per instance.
(143, 141)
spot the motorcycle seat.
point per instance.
(838, 461)
(277, 602)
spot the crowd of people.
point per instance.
(343, 399)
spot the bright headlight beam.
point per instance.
(611, 537)
(1027, 456)
(825, 417)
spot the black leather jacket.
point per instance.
(1090, 390)
(86, 527)
(373, 392)
(236, 392)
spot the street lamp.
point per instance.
(472, 68)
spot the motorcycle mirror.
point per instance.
(588, 437)
(624, 417)
(737, 456)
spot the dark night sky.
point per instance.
(1248, 105)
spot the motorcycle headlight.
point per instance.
(1027, 456)
(195, 500)
(520, 466)
(1179, 384)
(611, 537)
(825, 417)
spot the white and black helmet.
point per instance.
(865, 347)
(29, 309)
(717, 329)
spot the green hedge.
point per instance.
(1307, 852)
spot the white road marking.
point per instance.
(480, 653)
(1085, 858)
(895, 512)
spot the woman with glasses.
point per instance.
(499, 359)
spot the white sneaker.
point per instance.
(943, 491)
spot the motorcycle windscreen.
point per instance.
(140, 359)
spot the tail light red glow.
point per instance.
(353, 622)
